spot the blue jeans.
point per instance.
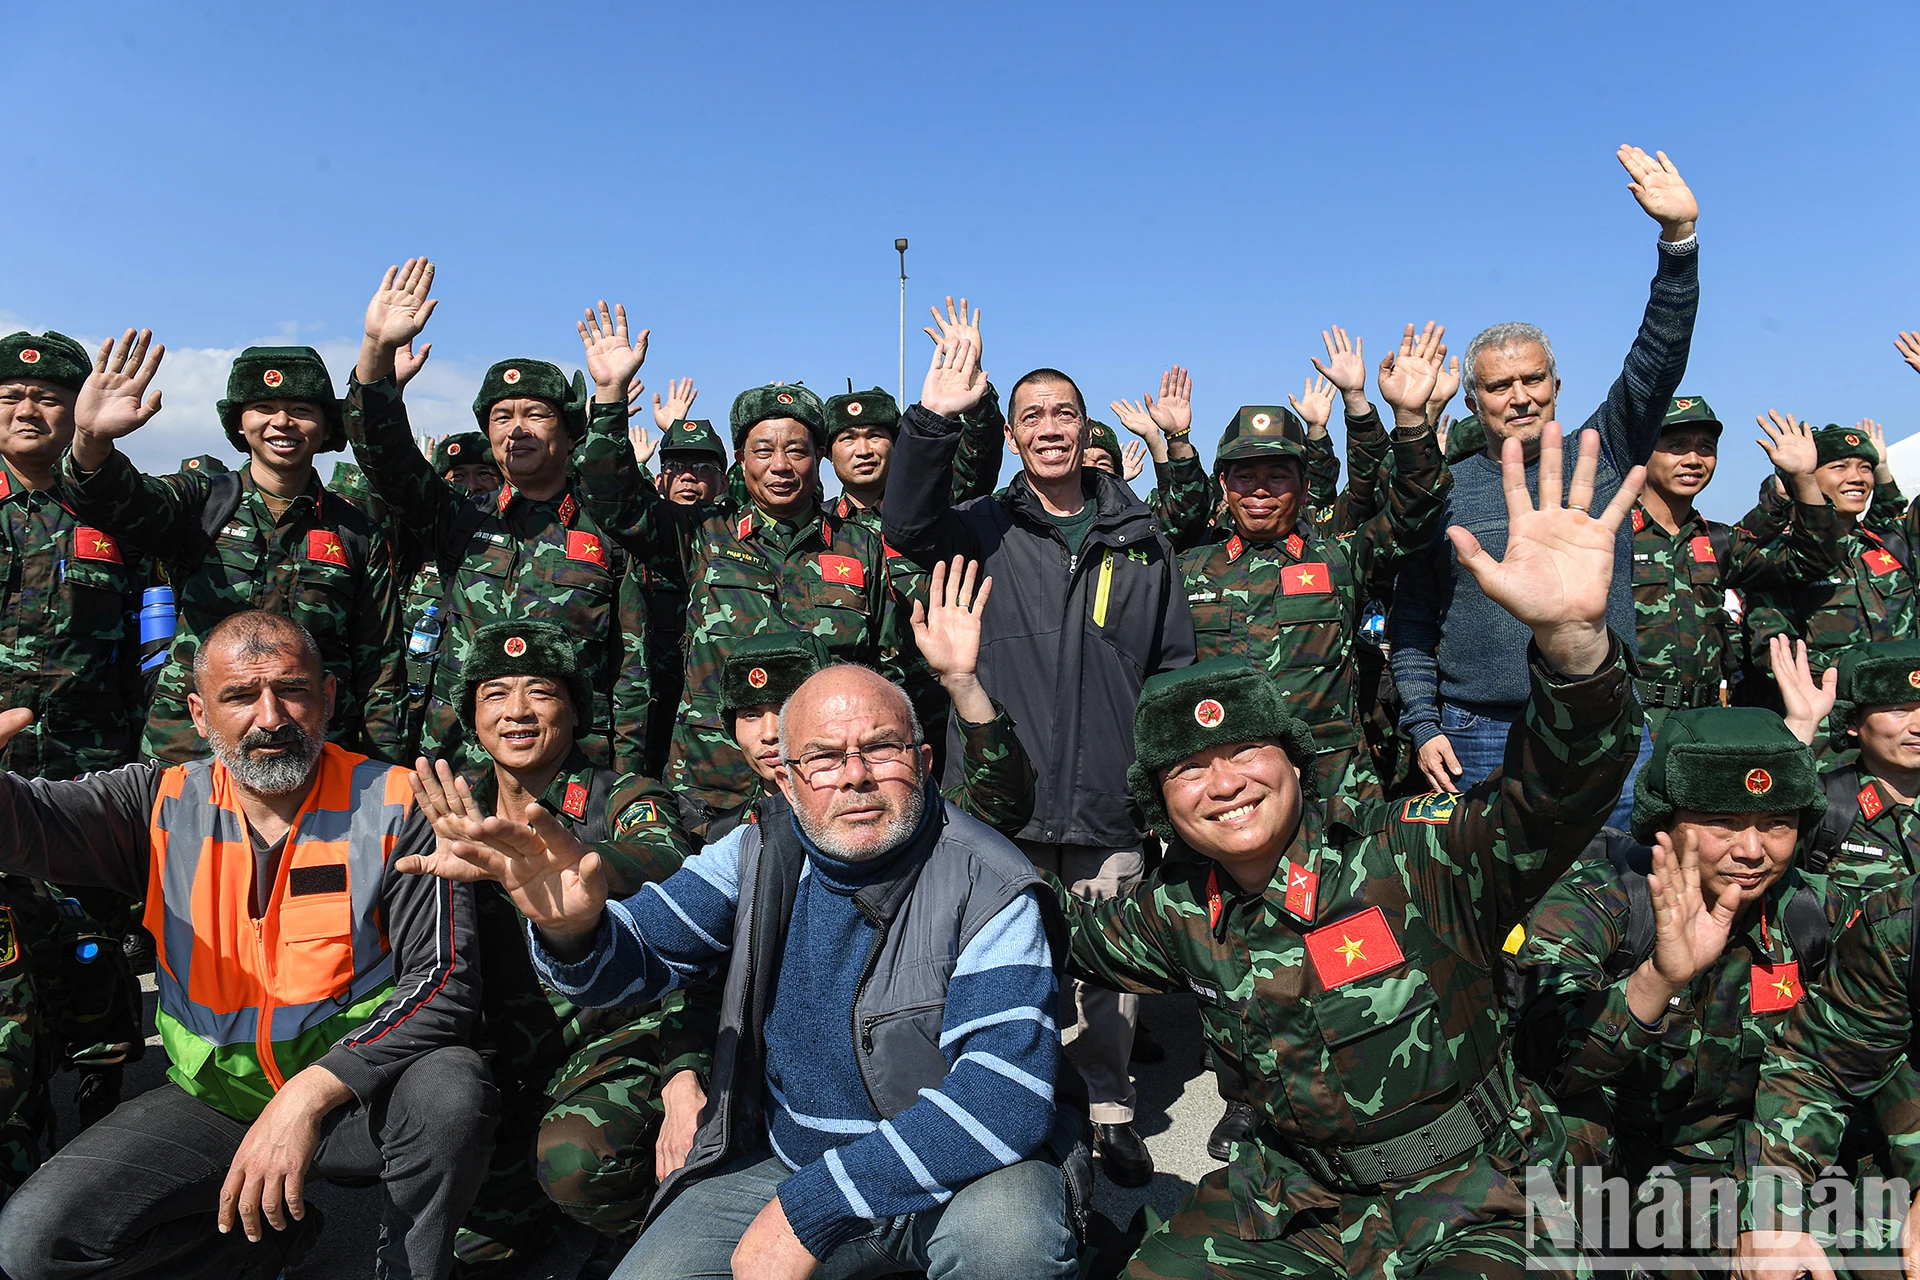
(1623, 811)
(1012, 1222)
(1479, 742)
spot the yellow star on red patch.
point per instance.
(1351, 948)
(1785, 988)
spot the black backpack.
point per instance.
(1843, 810)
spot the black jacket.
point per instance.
(1066, 642)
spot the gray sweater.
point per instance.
(1452, 644)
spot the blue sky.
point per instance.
(1120, 186)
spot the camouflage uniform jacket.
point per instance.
(746, 575)
(1367, 1011)
(631, 823)
(1848, 1039)
(1370, 471)
(1866, 594)
(1292, 607)
(1182, 501)
(69, 637)
(301, 565)
(1680, 589)
(503, 556)
(1882, 847)
(1678, 1091)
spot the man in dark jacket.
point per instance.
(1089, 604)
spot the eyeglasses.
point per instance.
(879, 757)
(674, 466)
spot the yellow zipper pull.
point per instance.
(1104, 591)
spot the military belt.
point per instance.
(1464, 1127)
(1653, 694)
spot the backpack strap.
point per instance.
(1842, 787)
(1632, 862)
(1808, 929)
(223, 499)
(1721, 537)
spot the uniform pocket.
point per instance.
(316, 946)
(1385, 1043)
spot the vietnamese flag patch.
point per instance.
(1771, 988)
(576, 801)
(587, 547)
(1357, 947)
(843, 569)
(325, 546)
(1880, 562)
(1306, 580)
(1703, 550)
(91, 544)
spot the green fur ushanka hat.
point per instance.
(463, 449)
(525, 649)
(1834, 442)
(50, 357)
(1883, 674)
(766, 669)
(778, 400)
(281, 373)
(1209, 704)
(870, 408)
(537, 380)
(1726, 760)
(1101, 436)
(695, 435)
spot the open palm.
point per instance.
(114, 402)
(400, 307)
(612, 359)
(1689, 933)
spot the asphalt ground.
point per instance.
(1175, 1109)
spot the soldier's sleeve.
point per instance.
(618, 497)
(1416, 499)
(1888, 511)
(1511, 836)
(1184, 502)
(155, 513)
(1845, 1039)
(1121, 943)
(1323, 472)
(1574, 1030)
(88, 831)
(976, 464)
(379, 673)
(1767, 615)
(689, 1029)
(645, 841)
(633, 687)
(1368, 448)
(1803, 548)
(918, 516)
(383, 445)
(996, 775)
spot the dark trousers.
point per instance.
(137, 1194)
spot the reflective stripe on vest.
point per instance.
(319, 947)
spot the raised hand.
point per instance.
(1661, 191)
(1346, 368)
(1559, 559)
(644, 445)
(1407, 376)
(1133, 460)
(1445, 385)
(680, 397)
(1173, 411)
(961, 324)
(406, 363)
(1788, 443)
(1807, 701)
(12, 721)
(1314, 405)
(947, 627)
(1134, 417)
(1441, 430)
(113, 401)
(400, 307)
(612, 360)
(1908, 345)
(1882, 467)
(1689, 933)
(955, 381)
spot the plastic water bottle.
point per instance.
(157, 623)
(426, 633)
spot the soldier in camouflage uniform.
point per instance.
(286, 544)
(465, 459)
(1868, 592)
(1870, 836)
(69, 653)
(1663, 1022)
(530, 550)
(583, 1092)
(1346, 972)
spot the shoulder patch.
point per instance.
(1869, 800)
(639, 813)
(575, 802)
(1435, 809)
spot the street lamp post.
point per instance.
(900, 246)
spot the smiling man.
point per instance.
(1870, 837)
(270, 536)
(1345, 971)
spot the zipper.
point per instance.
(864, 1035)
(1104, 591)
(263, 1028)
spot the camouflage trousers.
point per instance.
(1392, 1237)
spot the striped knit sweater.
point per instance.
(850, 1166)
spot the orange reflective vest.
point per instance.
(246, 1003)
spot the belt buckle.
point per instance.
(1482, 1114)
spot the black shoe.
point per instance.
(1237, 1123)
(96, 1094)
(1146, 1046)
(1123, 1155)
(605, 1258)
(138, 948)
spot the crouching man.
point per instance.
(314, 1000)
(1348, 975)
(883, 1088)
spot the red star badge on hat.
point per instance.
(514, 647)
(1208, 713)
(1759, 781)
(510, 377)
(29, 355)
(855, 408)
(1683, 404)
(1852, 438)
(453, 448)
(273, 377)
(1261, 421)
(784, 398)
(757, 677)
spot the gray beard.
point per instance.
(268, 775)
(897, 832)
